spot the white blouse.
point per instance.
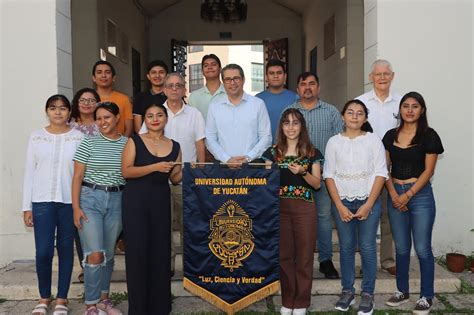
(49, 167)
(353, 164)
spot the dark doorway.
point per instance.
(136, 72)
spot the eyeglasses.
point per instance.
(87, 101)
(234, 79)
(173, 86)
(383, 74)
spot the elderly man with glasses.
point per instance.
(237, 125)
(383, 116)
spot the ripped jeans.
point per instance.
(104, 213)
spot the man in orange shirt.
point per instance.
(103, 75)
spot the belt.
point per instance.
(103, 187)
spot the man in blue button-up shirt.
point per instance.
(237, 125)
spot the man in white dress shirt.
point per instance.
(186, 126)
(383, 107)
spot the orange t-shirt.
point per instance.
(125, 107)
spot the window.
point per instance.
(195, 48)
(257, 77)
(196, 80)
(111, 31)
(257, 48)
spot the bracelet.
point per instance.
(304, 173)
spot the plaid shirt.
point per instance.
(323, 121)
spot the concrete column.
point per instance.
(34, 45)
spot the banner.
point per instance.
(231, 234)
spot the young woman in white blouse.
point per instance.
(47, 200)
(355, 171)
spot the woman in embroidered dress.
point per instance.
(82, 114)
(82, 118)
(355, 171)
(412, 151)
(47, 200)
(300, 173)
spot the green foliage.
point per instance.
(118, 297)
(465, 288)
(2, 300)
(441, 260)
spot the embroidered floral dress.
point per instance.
(88, 130)
(293, 186)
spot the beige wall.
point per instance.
(33, 58)
(89, 30)
(436, 59)
(265, 20)
(341, 78)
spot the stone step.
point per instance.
(120, 263)
(18, 281)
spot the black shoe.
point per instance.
(328, 269)
(346, 299)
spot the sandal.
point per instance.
(40, 309)
(61, 309)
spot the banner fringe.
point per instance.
(231, 309)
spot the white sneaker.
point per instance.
(299, 311)
(285, 311)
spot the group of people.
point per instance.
(102, 166)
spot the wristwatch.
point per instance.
(248, 159)
(304, 173)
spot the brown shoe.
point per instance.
(121, 246)
(391, 270)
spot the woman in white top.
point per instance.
(47, 200)
(355, 171)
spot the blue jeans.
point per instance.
(418, 223)
(363, 232)
(104, 212)
(50, 218)
(324, 228)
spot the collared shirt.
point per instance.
(237, 130)
(202, 98)
(185, 127)
(322, 121)
(383, 116)
(275, 104)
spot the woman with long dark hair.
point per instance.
(300, 173)
(97, 202)
(355, 171)
(47, 200)
(82, 113)
(148, 162)
(82, 118)
(412, 151)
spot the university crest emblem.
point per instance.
(231, 238)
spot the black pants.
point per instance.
(147, 234)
